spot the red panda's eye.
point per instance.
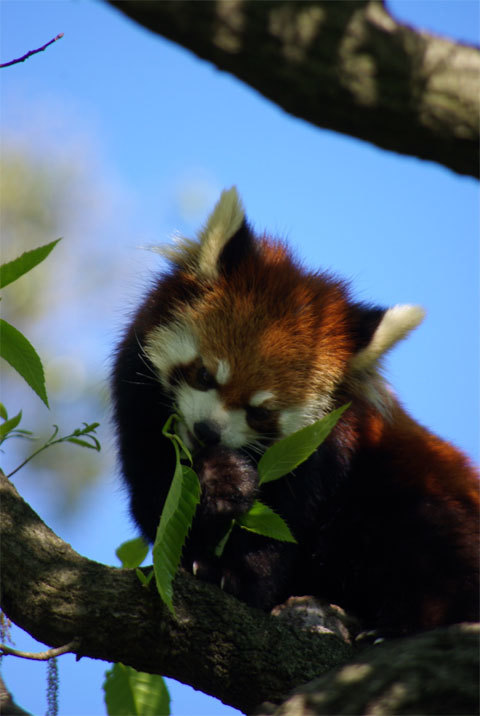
(258, 414)
(204, 379)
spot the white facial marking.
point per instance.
(223, 373)
(198, 405)
(168, 346)
(260, 397)
(292, 419)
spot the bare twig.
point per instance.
(41, 655)
(32, 52)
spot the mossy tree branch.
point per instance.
(347, 66)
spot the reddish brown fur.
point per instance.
(385, 513)
(294, 348)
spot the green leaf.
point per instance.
(132, 553)
(264, 521)
(218, 551)
(12, 270)
(83, 443)
(134, 693)
(171, 424)
(144, 579)
(22, 356)
(175, 522)
(9, 425)
(3, 412)
(287, 454)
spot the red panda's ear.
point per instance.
(219, 244)
(225, 224)
(378, 330)
(365, 321)
(241, 245)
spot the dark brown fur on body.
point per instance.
(249, 347)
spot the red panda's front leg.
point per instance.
(229, 483)
(253, 568)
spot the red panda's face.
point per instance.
(251, 347)
(252, 359)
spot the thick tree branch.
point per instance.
(217, 644)
(433, 673)
(346, 66)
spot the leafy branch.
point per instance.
(81, 436)
(14, 347)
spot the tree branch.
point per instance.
(432, 673)
(217, 644)
(346, 66)
(32, 52)
(41, 655)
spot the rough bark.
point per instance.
(346, 66)
(433, 673)
(216, 644)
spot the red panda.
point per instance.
(247, 347)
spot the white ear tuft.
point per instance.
(397, 322)
(201, 255)
(222, 224)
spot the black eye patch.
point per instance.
(203, 379)
(262, 420)
(259, 414)
(194, 374)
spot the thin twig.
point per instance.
(32, 52)
(41, 655)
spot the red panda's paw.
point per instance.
(211, 570)
(229, 482)
(207, 570)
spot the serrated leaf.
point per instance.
(262, 520)
(287, 454)
(22, 356)
(128, 692)
(12, 270)
(9, 425)
(132, 553)
(175, 522)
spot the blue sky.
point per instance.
(158, 134)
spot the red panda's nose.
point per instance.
(207, 432)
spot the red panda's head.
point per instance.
(252, 346)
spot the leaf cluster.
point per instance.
(15, 348)
(282, 458)
(128, 689)
(22, 356)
